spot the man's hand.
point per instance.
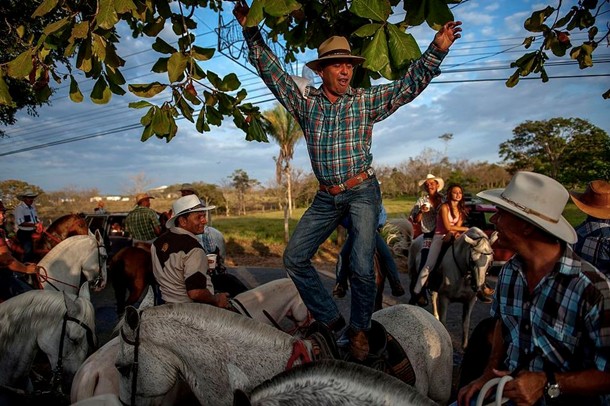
(449, 32)
(222, 300)
(240, 11)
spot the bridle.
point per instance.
(469, 273)
(42, 274)
(134, 368)
(58, 370)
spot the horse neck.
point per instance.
(278, 298)
(64, 262)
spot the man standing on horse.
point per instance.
(27, 222)
(552, 308)
(337, 121)
(180, 264)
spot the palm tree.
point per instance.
(284, 129)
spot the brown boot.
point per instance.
(487, 291)
(358, 344)
(339, 290)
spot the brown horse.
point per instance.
(130, 271)
(60, 229)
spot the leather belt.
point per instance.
(348, 184)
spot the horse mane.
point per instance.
(203, 317)
(475, 233)
(328, 381)
(32, 310)
(60, 248)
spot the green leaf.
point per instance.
(98, 46)
(376, 53)
(80, 30)
(201, 125)
(114, 75)
(255, 14)
(176, 66)
(513, 80)
(160, 66)
(83, 58)
(75, 94)
(228, 83)
(153, 28)
(5, 96)
(160, 122)
(214, 117)
(438, 14)
(281, 8)
(403, 47)
(255, 131)
(536, 21)
(163, 47)
(147, 133)
(125, 6)
(202, 54)
(214, 79)
(147, 89)
(45, 7)
(376, 10)
(367, 30)
(146, 119)
(21, 66)
(140, 104)
(56, 26)
(416, 12)
(100, 94)
(116, 89)
(186, 109)
(106, 15)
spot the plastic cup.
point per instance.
(211, 261)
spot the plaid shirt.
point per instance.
(565, 321)
(141, 223)
(594, 243)
(339, 134)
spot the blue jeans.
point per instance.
(385, 258)
(362, 204)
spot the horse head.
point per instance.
(72, 338)
(94, 267)
(480, 257)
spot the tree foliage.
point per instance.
(86, 31)
(10, 189)
(573, 151)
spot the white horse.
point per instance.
(59, 324)
(463, 268)
(215, 352)
(61, 268)
(279, 298)
(332, 382)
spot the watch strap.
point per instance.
(550, 378)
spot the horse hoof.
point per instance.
(483, 298)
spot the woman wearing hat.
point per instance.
(593, 243)
(423, 217)
(551, 308)
(337, 122)
(27, 222)
(9, 285)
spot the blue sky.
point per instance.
(468, 100)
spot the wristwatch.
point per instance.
(551, 389)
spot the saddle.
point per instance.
(435, 279)
(385, 353)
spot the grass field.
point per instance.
(268, 228)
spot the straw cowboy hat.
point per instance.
(142, 196)
(440, 181)
(27, 193)
(537, 199)
(186, 204)
(595, 201)
(334, 48)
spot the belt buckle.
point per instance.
(370, 172)
(342, 187)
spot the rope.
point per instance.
(43, 277)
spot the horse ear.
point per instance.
(98, 237)
(71, 306)
(149, 299)
(84, 291)
(493, 238)
(132, 317)
(240, 398)
(469, 240)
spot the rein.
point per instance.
(134, 378)
(53, 237)
(240, 307)
(59, 369)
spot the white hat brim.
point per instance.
(562, 229)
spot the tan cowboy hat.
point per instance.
(595, 201)
(142, 196)
(537, 199)
(440, 181)
(27, 193)
(186, 204)
(334, 48)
